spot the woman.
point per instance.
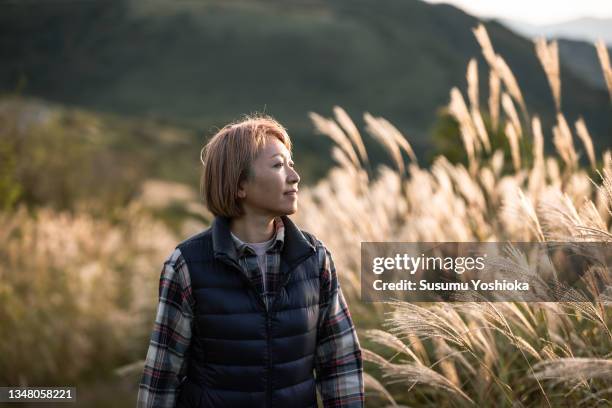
(250, 310)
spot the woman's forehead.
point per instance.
(273, 147)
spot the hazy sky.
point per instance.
(534, 11)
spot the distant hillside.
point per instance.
(576, 44)
(581, 58)
(581, 29)
(200, 64)
(57, 156)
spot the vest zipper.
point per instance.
(274, 301)
(269, 365)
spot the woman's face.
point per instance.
(272, 188)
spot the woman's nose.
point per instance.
(293, 176)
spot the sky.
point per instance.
(534, 11)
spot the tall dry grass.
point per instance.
(467, 354)
(77, 294)
(604, 60)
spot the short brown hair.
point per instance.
(227, 158)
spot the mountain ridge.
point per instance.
(202, 65)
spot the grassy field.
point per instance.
(78, 287)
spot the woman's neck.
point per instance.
(253, 228)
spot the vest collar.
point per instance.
(295, 246)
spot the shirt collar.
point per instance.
(295, 245)
(243, 248)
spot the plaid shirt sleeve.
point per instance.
(165, 361)
(338, 366)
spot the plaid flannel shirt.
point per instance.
(338, 362)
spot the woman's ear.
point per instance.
(241, 189)
(244, 179)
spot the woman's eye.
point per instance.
(278, 165)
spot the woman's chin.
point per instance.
(291, 210)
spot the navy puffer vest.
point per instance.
(242, 355)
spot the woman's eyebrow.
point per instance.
(279, 154)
